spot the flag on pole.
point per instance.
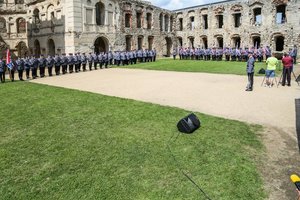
(9, 63)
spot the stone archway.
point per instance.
(101, 45)
(236, 41)
(22, 49)
(51, 47)
(256, 41)
(279, 43)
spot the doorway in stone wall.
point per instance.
(101, 45)
(51, 47)
(169, 46)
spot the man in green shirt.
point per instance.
(272, 63)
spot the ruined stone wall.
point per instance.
(68, 26)
(268, 31)
(46, 27)
(11, 15)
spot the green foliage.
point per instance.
(64, 144)
(216, 67)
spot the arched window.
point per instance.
(36, 16)
(127, 20)
(149, 20)
(257, 16)
(161, 22)
(128, 42)
(279, 41)
(281, 14)
(167, 19)
(2, 25)
(139, 19)
(50, 12)
(100, 13)
(140, 42)
(21, 25)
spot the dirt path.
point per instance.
(219, 95)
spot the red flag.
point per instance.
(9, 64)
(7, 56)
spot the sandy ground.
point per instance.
(219, 95)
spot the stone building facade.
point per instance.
(66, 26)
(249, 23)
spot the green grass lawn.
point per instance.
(221, 67)
(65, 144)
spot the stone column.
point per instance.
(94, 16)
(106, 17)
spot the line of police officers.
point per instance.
(74, 62)
(233, 54)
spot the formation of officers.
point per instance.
(73, 63)
(230, 54)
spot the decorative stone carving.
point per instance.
(279, 2)
(219, 10)
(237, 8)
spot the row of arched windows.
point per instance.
(20, 25)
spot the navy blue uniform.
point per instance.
(20, 68)
(2, 71)
(27, 67)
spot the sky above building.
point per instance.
(178, 4)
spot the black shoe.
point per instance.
(249, 90)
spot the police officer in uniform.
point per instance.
(83, 61)
(110, 58)
(140, 55)
(90, 61)
(12, 71)
(34, 63)
(105, 59)
(118, 58)
(95, 59)
(100, 59)
(174, 54)
(150, 55)
(2, 70)
(42, 65)
(64, 63)
(27, 67)
(56, 61)
(76, 62)
(79, 61)
(71, 63)
(122, 57)
(20, 68)
(50, 63)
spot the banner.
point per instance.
(9, 63)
